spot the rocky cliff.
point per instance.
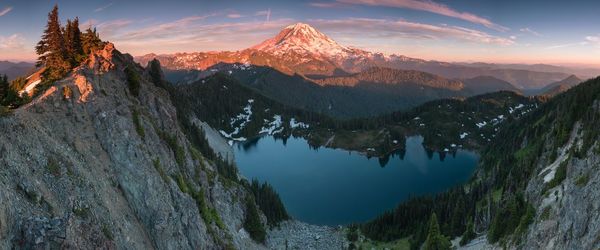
(90, 164)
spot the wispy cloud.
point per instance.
(12, 42)
(110, 28)
(191, 33)
(234, 15)
(566, 45)
(5, 11)
(266, 13)
(385, 29)
(327, 5)
(428, 6)
(530, 31)
(15, 47)
(103, 7)
(593, 39)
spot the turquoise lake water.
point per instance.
(337, 187)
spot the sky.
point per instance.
(532, 31)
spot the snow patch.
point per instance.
(272, 127)
(294, 124)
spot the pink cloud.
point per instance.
(382, 29)
(5, 11)
(530, 31)
(327, 5)
(99, 9)
(234, 15)
(430, 6)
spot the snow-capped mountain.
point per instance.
(298, 48)
(303, 39)
(302, 49)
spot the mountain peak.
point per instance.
(299, 25)
(301, 38)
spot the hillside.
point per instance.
(446, 125)
(100, 160)
(242, 113)
(392, 77)
(556, 88)
(533, 190)
(373, 92)
(487, 84)
(14, 70)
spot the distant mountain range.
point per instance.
(301, 49)
(486, 84)
(560, 86)
(14, 70)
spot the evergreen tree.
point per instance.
(252, 222)
(469, 233)
(90, 41)
(51, 49)
(155, 72)
(435, 240)
(3, 86)
(73, 41)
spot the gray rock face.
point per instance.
(567, 216)
(299, 235)
(76, 172)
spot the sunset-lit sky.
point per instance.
(559, 32)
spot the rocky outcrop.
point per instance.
(79, 173)
(567, 216)
(299, 235)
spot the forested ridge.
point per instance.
(494, 199)
(61, 49)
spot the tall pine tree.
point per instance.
(73, 42)
(3, 87)
(51, 49)
(91, 41)
(435, 240)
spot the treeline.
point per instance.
(269, 202)
(9, 94)
(60, 49)
(496, 203)
(392, 76)
(64, 47)
(262, 195)
(218, 98)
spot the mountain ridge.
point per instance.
(296, 49)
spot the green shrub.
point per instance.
(107, 233)
(209, 215)
(139, 128)
(53, 166)
(583, 180)
(175, 147)
(159, 169)
(545, 213)
(4, 111)
(252, 223)
(81, 211)
(181, 182)
(133, 81)
(559, 176)
(469, 233)
(526, 220)
(352, 234)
